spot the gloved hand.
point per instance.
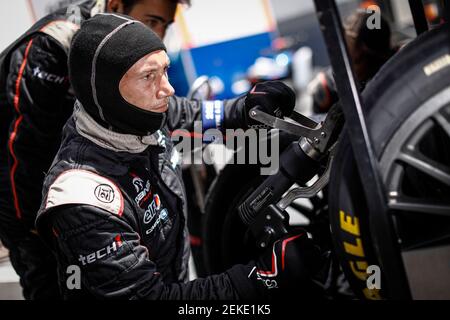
(273, 97)
(285, 270)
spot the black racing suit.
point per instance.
(35, 103)
(114, 205)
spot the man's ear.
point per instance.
(114, 6)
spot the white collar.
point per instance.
(87, 127)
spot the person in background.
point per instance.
(369, 49)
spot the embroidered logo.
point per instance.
(104, 193)
(152, 209)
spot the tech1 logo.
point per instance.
(73, 271)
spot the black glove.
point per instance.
(285, 270)
(273, 97)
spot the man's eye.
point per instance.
(149, 76)
(152, 23)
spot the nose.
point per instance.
(165, 90)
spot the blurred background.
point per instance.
(233, 44)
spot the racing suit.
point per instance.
(114, 205)
(35, 102)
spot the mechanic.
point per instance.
(35, 102)
(113, 200)
(369, 49)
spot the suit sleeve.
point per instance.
(115, 265)
(218, 114)
(39, 97)
(38, 86)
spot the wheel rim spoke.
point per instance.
(442, 122)
(413, 205)
(426, 165)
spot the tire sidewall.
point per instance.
(400, 87)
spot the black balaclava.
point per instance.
(102, 51)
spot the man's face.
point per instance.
(359, 59)
(146, 84)
(156, 14)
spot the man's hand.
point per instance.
(273, 97)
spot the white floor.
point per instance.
(9, 283)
